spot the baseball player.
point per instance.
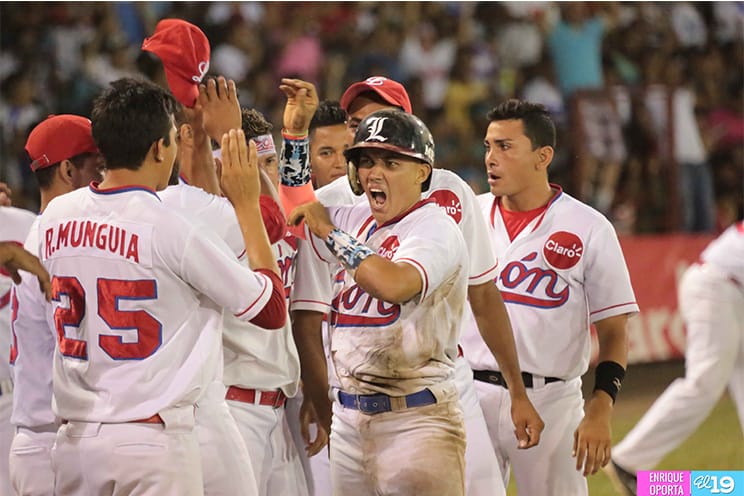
(456, 198)
(561, 269)
(328, 140)
(136, 310)
(63, 158)
(711, 300)
(224, 455)
(262, 367)
(15, 224)
(399, 293)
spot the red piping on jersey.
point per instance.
(484, 273)
(311, 237)
(121, 189)
(425, 282)
(274, 313)
(183, 179)
(613, 306)
(558, 193)
(311, 301)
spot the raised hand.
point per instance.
(239, 176)
(302, 102)
(219, 105)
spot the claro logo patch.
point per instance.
(563, 250)
(449, 202)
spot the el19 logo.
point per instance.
(716, 482)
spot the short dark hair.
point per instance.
(538, 125)
(45, 175)
(254, 123)
(329, 113)
(128, 118)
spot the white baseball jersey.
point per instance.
(14, 226)
(726, 252)
(33, 349)
(398, 349)
(563, 272)
(138, 299)
(257, 358)
(451, 193)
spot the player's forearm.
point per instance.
(388, 281)
(495, 329)
(307, 333)
(257, 247)
(612, 360)
(202, 172)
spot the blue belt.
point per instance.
(379, 403)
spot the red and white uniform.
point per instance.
(263, 366)
(14, 226)
(398, 349)
(711, 300)
(313, 292)
(31, 359)
(224, 456)
(562, 272)
(138, 294)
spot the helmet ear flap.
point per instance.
(353, 176)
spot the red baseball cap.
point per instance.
(58, 138)
(391, 91)
(184, 50)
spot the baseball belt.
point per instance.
(379, 403)
(155, 419)
(496, 377)
(275, 399)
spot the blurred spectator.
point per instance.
(19, 111)
(430, 58)
(688, 25)
(456, 60)
(239, 53)
(575, 43)
(696, 180)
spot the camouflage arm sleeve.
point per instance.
(349, 250)
(294, 160)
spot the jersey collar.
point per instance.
(121, 189)
(557, 193)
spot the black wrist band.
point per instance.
(609, 378)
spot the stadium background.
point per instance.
(619, 130)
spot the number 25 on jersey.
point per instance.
(71, 309)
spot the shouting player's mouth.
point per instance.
(377, 198)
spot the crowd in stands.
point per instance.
(648, 95)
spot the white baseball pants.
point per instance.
(276, 463)
(712, 307)
(226, 464)
(132, 459)
(31, 471)
(547, 469)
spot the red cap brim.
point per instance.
(356, 89)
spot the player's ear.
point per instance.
(545, 156)
(65, 171)
(422, 173)
(186, 134)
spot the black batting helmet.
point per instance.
(392, 130)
